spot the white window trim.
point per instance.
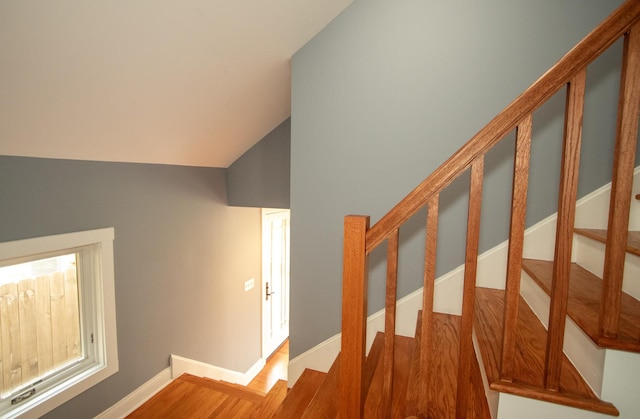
(49, 400)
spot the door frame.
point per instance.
(267, 348)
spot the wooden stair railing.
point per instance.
(360, 239)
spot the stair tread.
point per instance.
(528, 368)
(297, 400)
(633, 240)
(271, 401)
(584, 304)
(443, 380)
(404, 347)
(188, 396)
(235, 390)
(325, 403)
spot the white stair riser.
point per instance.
(579, 348)
(590, 255)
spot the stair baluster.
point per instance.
(427, 304)
(516, 244)
(469, 287)
(564, 229)
(621, 184)
(390, 321)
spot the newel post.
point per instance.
(354, 316)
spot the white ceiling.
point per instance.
(186, 82)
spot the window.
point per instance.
(57, 319)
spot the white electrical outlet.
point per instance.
(249, 284)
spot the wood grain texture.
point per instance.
(621, 182)
(441, 388)
(354, 316)
(390, 320)
(374, 404)
(274, 370)
(298, 398)
(576, 60)
(271, 401)
(425, 315)
(584, 303)
(516, 243)
(469, 287)
(324, 403)
(528, 370)
(564, 228)
(633, 238)
(479, 405)
(189, 396)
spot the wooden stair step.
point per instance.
(443, 378)
(271, 401)
(299, 397)
(528, 368)
(188, 396)
(633, 240)
(325, 404)
(584, 304)
(232, 389)
(403, 356)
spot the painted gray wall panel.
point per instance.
(387, 92)
(181, 258)
(261, 176)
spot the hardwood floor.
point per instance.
(194, 397)
(275, 369)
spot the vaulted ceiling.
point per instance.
(188, 82)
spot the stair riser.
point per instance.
(590, 255)
(579, 348)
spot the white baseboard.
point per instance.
(180, 365)
(140, 395)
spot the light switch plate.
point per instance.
(249, 284)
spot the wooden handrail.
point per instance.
(553, 80)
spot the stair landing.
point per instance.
(189, 397)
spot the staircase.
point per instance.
(560, 339)
(526, 340)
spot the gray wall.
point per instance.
(260, 177)
(181, 258)
(387, 92)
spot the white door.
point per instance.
(275, 279)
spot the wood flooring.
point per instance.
(190, 397)
(275, 369)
